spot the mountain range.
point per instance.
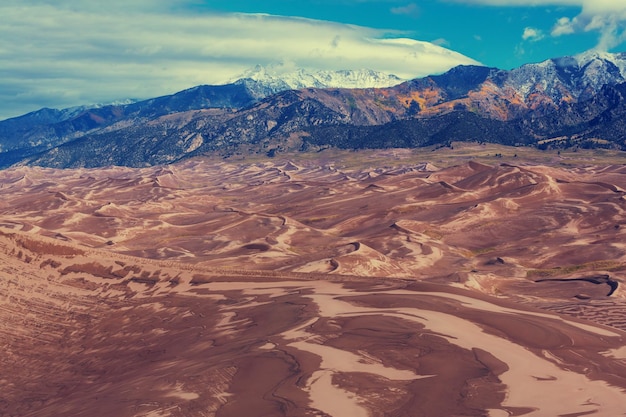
(561, 102)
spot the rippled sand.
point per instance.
(305, 288)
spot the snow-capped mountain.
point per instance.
(579, 75)
(563, 102)
(264, 81)
(505, 95)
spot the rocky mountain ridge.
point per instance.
(46, 128)
(570, 101)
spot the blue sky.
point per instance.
(489, 33)
(62, 53)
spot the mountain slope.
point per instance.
(571, 101)
(47, 128)
(44, 129)
(505, 95)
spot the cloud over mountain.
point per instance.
(63, 53)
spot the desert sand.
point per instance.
(326, 286)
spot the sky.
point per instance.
(63, 53)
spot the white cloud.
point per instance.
(606, 3)
(410, 9)
(532, 34)
(608, 17)
(69, 52)
(564, 26)
(441, 42)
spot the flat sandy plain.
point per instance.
(374, 283)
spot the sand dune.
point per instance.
(309, 288)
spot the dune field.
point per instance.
(315, 286)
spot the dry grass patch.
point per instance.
(566, 270)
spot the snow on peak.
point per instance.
(586, 57)
(596, 60)
(290, 77)
(582, 73)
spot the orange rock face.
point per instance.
(313, 288)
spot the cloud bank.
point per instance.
(63, 53)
